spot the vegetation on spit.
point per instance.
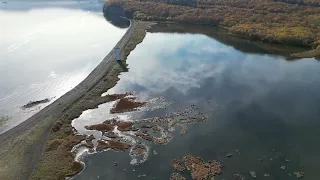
(57, 161)
(294, 22)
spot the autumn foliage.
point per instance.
(295, 22)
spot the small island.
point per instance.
(290, 22)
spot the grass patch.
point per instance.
(12, 164)
(100, 127)
(57, 126)
(114, 97)
(115, 145)
(126, 105)
(53, 144)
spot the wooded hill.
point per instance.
(294, 22)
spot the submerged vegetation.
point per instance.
(35, 103)
(3, 119)
(285, 22)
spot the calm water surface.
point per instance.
(268, 108)
(47, 48)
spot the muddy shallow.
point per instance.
(262, 110)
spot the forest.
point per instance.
(293, 22)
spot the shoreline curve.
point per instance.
(23, 146)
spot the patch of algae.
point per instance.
(4, 119)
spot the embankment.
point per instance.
(23, 149)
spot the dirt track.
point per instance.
(21, 146)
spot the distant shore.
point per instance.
(279, 22)
(22, 148)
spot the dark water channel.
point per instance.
(267, 106)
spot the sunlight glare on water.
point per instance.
(46, 49)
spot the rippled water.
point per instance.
(47, 48)
(268, 107)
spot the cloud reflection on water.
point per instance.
(264, 101)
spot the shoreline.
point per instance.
(311, 53)
(308, 54)
(23, 146)
(249, 21)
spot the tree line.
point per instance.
(280, 21)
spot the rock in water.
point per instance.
(299, 174)
(253, 174)
(229, 155)
(238, 176)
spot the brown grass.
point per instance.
(76, 168)
(201, 170)
(115, 145)
(111, 135)
(89, 143)
(53, 144)
(176, 176)
(72, 140)
(125, 126)
(177, 164)
(145, 136)
(56, 126)
(114, 97)
(100, 127)
(126, 105)
(108, 126)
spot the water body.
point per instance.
(268, 106)
(46, 49)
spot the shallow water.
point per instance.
(46, 49)
(268, 108)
